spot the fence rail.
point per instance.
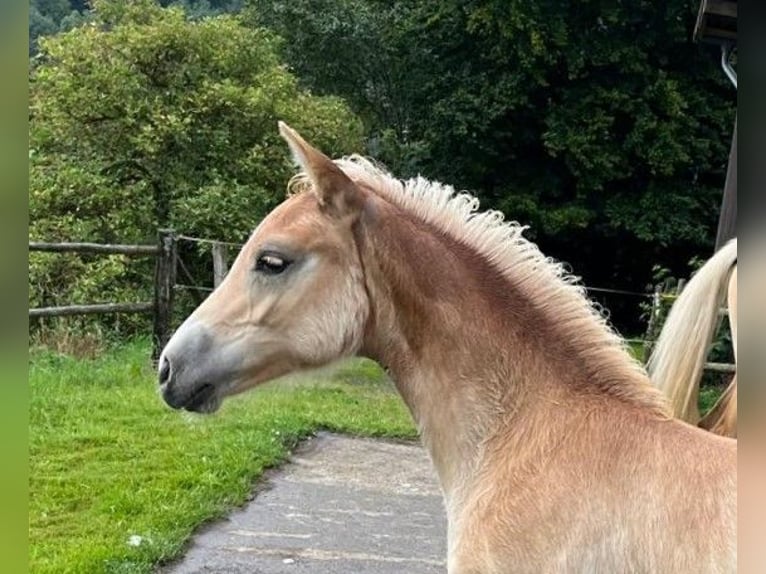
(721, 367)
(168, 265)
(97, 309)
(94, 248)
(161, 307)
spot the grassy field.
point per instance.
(118, 481)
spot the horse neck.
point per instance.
(457, 339)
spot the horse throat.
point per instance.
(471, 351)
(446, 328)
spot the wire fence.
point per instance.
(209, 241)
(586, 287)
(169, 263)
(659, 298)
(666, 296)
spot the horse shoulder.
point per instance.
(587, 508)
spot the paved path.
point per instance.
(341, 506)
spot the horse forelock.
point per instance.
(544, 282)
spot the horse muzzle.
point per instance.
(194, 369)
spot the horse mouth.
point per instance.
(203, 400)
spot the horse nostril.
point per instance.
(164, 371)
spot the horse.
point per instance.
(678, 358)
(553, 450)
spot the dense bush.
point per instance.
(602, 125)
(143, 119)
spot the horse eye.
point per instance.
(271, 264)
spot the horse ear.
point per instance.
(337, 193)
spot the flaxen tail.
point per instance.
(679, 355)
(722, 418)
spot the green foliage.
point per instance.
(108, 461)
(142, 118)
(602, 125)
(204, 8)
(708, 397)
(47, 17)
(721, 350)
(661, 277)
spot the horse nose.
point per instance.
(164, 370)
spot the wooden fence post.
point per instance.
(220, 267)
(164, 282)
(654, 317)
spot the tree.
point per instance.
(142, 118)
(353, 49)
(204, 8)
(48, 17)
(602, 125)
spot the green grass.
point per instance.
(708, 397)
(636, 348)
(109, 461)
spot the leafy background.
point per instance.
(599, 124)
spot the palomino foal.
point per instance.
(554, 452)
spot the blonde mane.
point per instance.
(543, 281)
